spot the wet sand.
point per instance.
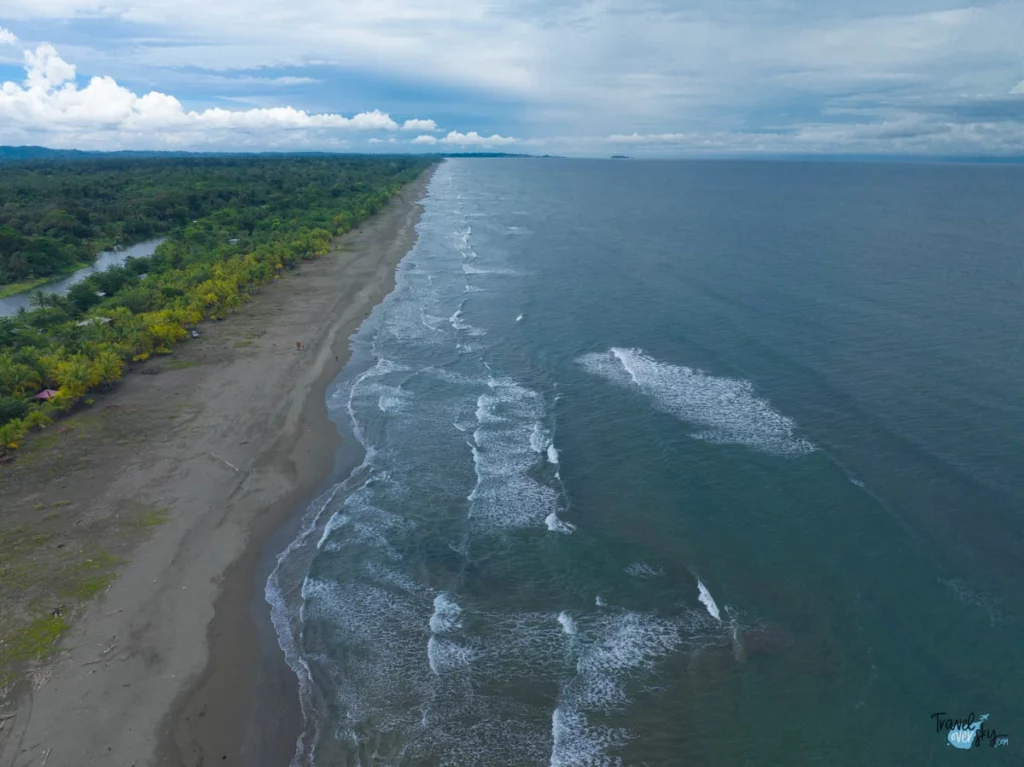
(165, 668)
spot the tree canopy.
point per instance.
(56, 215)
(232, 223)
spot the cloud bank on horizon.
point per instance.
(651, 77)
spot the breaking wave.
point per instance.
(727, 408)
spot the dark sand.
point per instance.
(165, 668)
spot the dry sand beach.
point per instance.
(183, 477)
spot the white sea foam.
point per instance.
(539, 438)
(393, 399)
(381, 628)
(707, 600)
(388, 653)
(363, 524)
(288, 622)
(429, 321)
(642, 570)
(567, 623)
(541, 442)
(445, 656)
(457, 322)
(447, 614)
(575, 743)
(486, 409)
(599, 601)
(557, 525)
(362, 609)
(726, 407)
(445, 652)
(449, 376)
(368, 385)
(365, 535)
(509, 437)
(626, 642)
(616, 648)
(519, 318)
(391, 576)
(337, 520)
(470, 269)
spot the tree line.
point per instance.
(55, 216)
(269, 214)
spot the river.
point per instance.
(104, 260)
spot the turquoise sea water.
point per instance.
(677, 463)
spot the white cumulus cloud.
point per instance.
(7, 37)
(475, 139)
(45, 69)
(50, 101)
(424, 140)
(649, 138)
(419, 125)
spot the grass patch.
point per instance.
(47, 577)
(180, 364)
(13, 288)
(240, 344)
(42, 441)
(42, 627)
(34, 641)
(89, 587)
(150, 519)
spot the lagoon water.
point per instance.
(677, 463)
(104, 260)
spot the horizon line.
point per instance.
(726, 156)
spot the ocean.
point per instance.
(677, 463)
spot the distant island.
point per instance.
(619, 157)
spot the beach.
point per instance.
(226, 442)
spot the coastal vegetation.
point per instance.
(232, 223)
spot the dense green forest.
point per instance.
(55, 216)
(20, 153)
(232, 223)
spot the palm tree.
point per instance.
(16, 379)
(75, 376)
(40, 300)
(8, 331)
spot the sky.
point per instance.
(658, 78)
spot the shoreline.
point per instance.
(166, 666)
(246, 673)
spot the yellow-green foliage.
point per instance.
(205, 270)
